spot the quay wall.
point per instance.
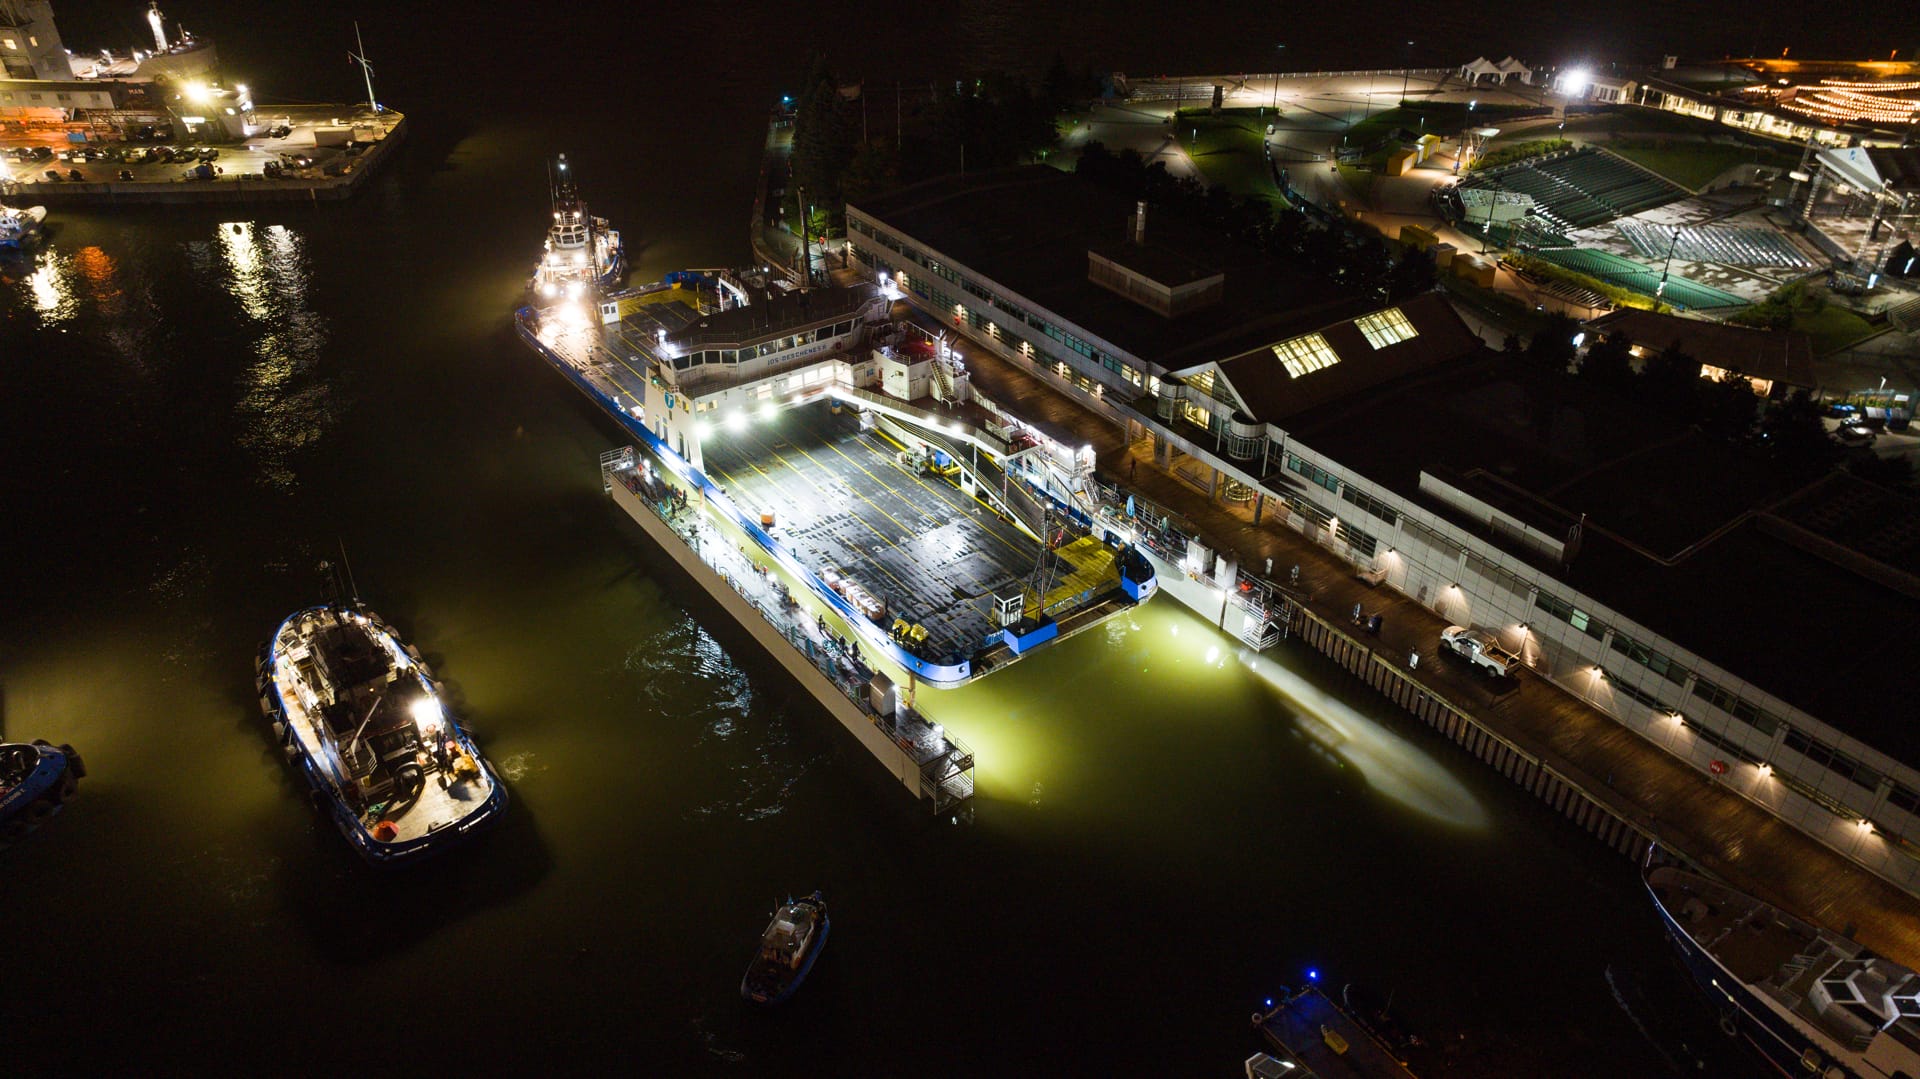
(1564, 794)
(229, 189)
(896, 760)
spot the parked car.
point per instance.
(280, 131)
(208, 153)
(1480, 649)
(1840, 410)
(297, 161)
(41, 153)
(1855, 433)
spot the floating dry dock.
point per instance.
(829, 475)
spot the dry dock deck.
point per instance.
(1295, 1029)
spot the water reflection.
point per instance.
(284, 405)
(51, 292)
(1390, 764)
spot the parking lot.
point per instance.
(27, 157)
(841, 500)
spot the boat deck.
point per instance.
(840, 500)
(436, 807)
(1296, 1030)
(1741, 931)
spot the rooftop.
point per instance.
(1274, 393)
(1029, 229)
(1780, 355)
(1706, 543)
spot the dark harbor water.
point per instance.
(196, 407)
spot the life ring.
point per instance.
(1727, 1026)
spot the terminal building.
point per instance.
(1646, 570)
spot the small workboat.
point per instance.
(787, 950)
(36, 781)
(21, 228)
(361, 718)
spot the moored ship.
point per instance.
(21, 228)
(361, 717)
(583, 252)
(1809, 1001)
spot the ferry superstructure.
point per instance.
(360, 716)
(583, 252)
(1809, 1001)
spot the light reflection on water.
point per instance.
(285, 404)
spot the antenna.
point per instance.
(352, 588)
(365, 67)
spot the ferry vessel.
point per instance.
(36, 781)
(1809, 1001)
(583, 252)
(789, 946)
(362, 718)
(21, 228)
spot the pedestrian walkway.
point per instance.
(1685, 811)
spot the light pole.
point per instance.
(1405, 74)
(1661, 288)
(1493, 200)
(1276, 77)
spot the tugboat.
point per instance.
(1807, 1000)
(361, 717)
(787, 950)
(583, 252)
(36, 781)
(21, 228)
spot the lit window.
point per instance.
(1383, 328)
(9, 43)
(1308, 353)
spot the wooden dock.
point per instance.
(1308, 1030)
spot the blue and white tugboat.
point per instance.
(583, 253)
(1809, 1001)
(361, 717)
(36, 781)
(787, 950)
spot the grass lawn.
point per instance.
(1832, 328)
(1693, 165)
(1229, 150)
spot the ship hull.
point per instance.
(1741, 1013)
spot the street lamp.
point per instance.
(1661, 288)
(1276, 78)
(1405, 74)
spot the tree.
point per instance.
(1609, 362)
(1670, 381)
(1412, 275)
(825, 135)
(1727, 406)
(1793, 434)
(1893, 473)
(1552, 344)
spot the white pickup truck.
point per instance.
(1480, 649)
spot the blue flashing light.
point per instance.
(1269, 1002)
(1313, 975)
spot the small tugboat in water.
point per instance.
(583, 252)
(359, 714)
(787, 950)
(21, 228)
(1808, 1000)
(36, 781)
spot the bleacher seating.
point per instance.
(1582, 188)
(1726, 244)
(1681, 292)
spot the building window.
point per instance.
(1904, 800)
(1383, 328)
(1571, 615)
(1732, 704)
(1371, 505)
(1305, 354)
(1314, 473)
(1724, 744)
(1831, 759)
(9, 43)
(1648, 658)
(1624, 688)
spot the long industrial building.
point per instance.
(1649, 570)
